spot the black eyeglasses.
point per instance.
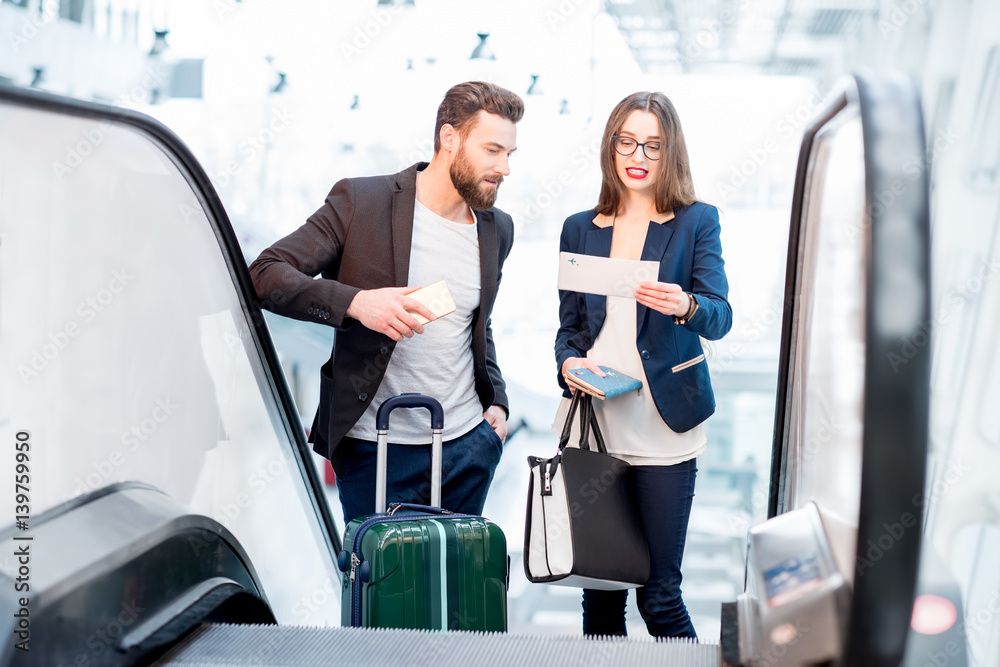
(626, 146)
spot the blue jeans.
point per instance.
(664, 495)
(466, 473)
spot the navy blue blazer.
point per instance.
(689, 251)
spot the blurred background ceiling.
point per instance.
(806, 38)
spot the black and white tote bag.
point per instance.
(582, 528)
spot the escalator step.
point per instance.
(294, 646)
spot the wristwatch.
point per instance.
(692, 309)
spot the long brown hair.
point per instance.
(463, 101)
(674, 187)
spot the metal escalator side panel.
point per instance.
(818, 440)
(141, 352)
(777, 491)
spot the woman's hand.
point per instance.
(666, 298)
(580, 362)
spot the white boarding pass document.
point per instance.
(604, 275)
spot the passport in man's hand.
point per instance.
(614, 383)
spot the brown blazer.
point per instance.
(360, 239)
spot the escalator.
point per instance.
(175, 512)
(832, 574)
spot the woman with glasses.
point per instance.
(647, 210)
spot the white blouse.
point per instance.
(633, 429)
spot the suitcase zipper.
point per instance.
(356, 548)
(355, 561)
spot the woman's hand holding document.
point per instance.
(604, 275)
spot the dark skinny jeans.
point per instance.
(664, 495)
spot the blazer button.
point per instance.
(311, 310)
(384, 349)
(326, 315)
(362, 397)
(645, 354)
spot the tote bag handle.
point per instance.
(588, 422)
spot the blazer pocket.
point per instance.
(688, 364)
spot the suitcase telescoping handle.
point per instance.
(382, 426)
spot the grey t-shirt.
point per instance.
(439, 361)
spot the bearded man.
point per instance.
(375, 240)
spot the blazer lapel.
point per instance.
(403, 199)
(488, 259)
(657, 237)
(597, 243)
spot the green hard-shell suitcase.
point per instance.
(417, 566)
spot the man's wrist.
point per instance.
(352, 307)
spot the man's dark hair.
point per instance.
(463, 101)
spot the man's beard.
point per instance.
(469, 184)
